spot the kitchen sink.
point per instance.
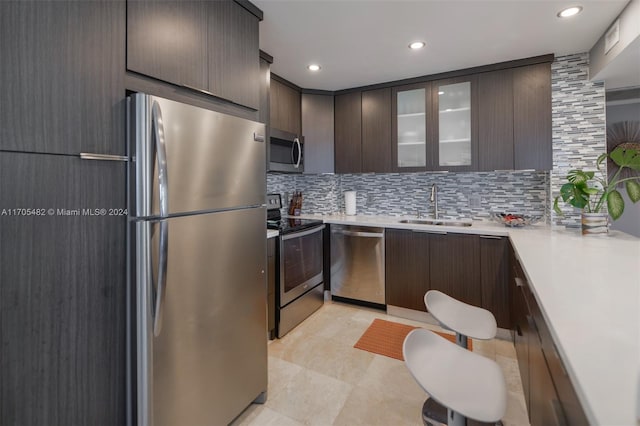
(440, 222)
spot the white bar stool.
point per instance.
(466, 320)
(468, 385)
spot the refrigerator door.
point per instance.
(193, 158)
(202, 330)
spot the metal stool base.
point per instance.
(435, 414)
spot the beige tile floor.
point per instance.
(317, 377)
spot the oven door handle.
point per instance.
(302, 233)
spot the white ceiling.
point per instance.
(361, 42)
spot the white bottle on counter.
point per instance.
(350, 202)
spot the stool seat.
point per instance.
(461, 317)
(462, 381)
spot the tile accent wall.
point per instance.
(579, 125)
(578, 108)
(470, 195)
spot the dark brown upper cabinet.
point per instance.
(348, 132)
(409, 127)
(210, 46)
(285, 105)
(376, 131)
(495, 121)
(532, 117)
(454, 124)
(62, 77)
(234, 58)
(498, 118)
(317, 127)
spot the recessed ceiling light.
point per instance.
(314, 67)
(440, 93)
(569, 11)
(417, 45)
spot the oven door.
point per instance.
(300, 263)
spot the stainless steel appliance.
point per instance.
(357, 263)
(301, 277)
(286, 152)
(197, 214)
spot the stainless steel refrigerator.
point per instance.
(198, 250)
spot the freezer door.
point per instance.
(202, 331)
(193, 159)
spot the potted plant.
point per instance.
(590, 191)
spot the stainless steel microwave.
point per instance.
(286, 152)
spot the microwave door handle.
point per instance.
(297, 142)
(162, 277)
(161, 154)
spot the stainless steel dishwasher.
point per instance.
(357, 263)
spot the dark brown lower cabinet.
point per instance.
(271, 287)
(550, 396)
(494, 277)
(406, 268)
(470, 268)
(544, 406)
(62, 291)
(454, 264)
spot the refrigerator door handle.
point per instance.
(161, 153)
(162, 277)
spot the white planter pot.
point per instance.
(595, 223)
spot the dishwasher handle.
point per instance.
(362, 234)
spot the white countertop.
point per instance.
(271, 233)
(588, 289)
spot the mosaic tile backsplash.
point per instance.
(469, 195)
(578, 116)
(579, 125)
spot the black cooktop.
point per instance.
(289, 224)
(285, 225)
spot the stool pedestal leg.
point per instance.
(461, 340)
(455, 419)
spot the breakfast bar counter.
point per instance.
(588, 289)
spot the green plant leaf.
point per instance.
(615, 204)
(574, 194)
(579, 176)
(556, 208)
(590, 191)
(626, 158)
(601, 158)
(633, 190)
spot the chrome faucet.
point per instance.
(434, 200)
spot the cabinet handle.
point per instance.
(491, 237)
(197, 90)
(558, 412)
(102, 157)
(429, 232)
(519, 282)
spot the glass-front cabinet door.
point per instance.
(454, 129)
(409, 127)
